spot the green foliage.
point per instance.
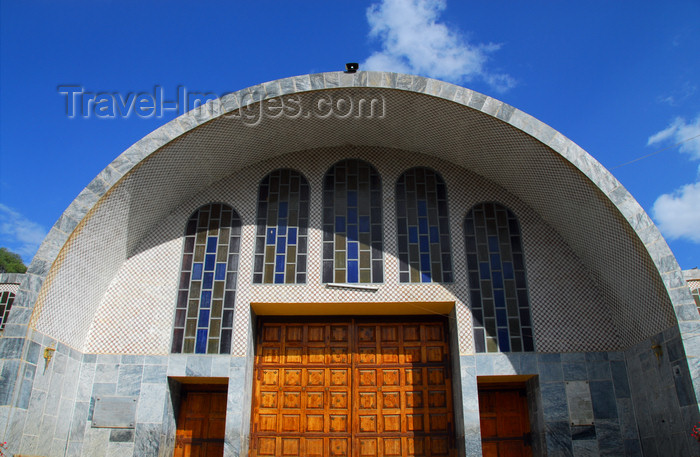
(11, 262)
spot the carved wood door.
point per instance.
(352, 387)
(201, 425)
(505, 425)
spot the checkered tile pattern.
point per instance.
(141, 220)
(11, 288)
(136, 313)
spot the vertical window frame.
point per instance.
(498, 288)
(353, 222)
(283, 196)
(423, 228)
(208, 280)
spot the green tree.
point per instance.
(11, 262)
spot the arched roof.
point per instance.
(590, 209)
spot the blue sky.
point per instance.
(621, 79)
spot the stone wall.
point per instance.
(664, 400)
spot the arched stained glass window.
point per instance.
(6, 299)
(497, 282)
(207, 292)
(352, 224)
(423, 227)
(696, 294)
(283, 219)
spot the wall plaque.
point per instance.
(114, 412)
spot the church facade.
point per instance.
(352, 264)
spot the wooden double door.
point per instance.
(352, 387)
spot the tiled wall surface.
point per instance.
(136, 314)
(55, 418)
(50, 414)
(663, 396)
(570, 386)
(581, 404)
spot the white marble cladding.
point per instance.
(564, 388)
(135, 315)
(57, 421)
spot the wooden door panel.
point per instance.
(201, 425)
(505, 423)
(355, 389)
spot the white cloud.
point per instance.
(413, 41)
(19, 234)
(678, 214)
(679, 130)
(680, 95)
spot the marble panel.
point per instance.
(558, 438)
(147, 440)
(151, 403)
(198, 366)
(129, 381)
(603, 397)
(574, 371)
(554, 406)
(154, 374)
(585, 448)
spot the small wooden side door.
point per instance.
(505, 425)
(201, 424)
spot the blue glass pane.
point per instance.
(339, 224)
(209, 261)
(434, 234)
(425, 276)
(497, 279)
(203, 321)
(352, 198)
(281, 245)
(279, 278)
(282, 226)
(211, 244)
(508, 270)
(493, 244)
(422, 208)
(503, 341)
(412, 235)
(352, 251)
(292, 236)
(499, 298)
(352, 271)
(352, 216)
(484, 270)
(352, 232)
(501, 317)
(197, 271)
(425, 262)
(496, 261)
(364, 223)
(271, 236)
(201, 344)
(282, 212)
(424, 244)
(279, 264)
(423, 225)
(205, 299)
(208, 280)
(220, 271)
